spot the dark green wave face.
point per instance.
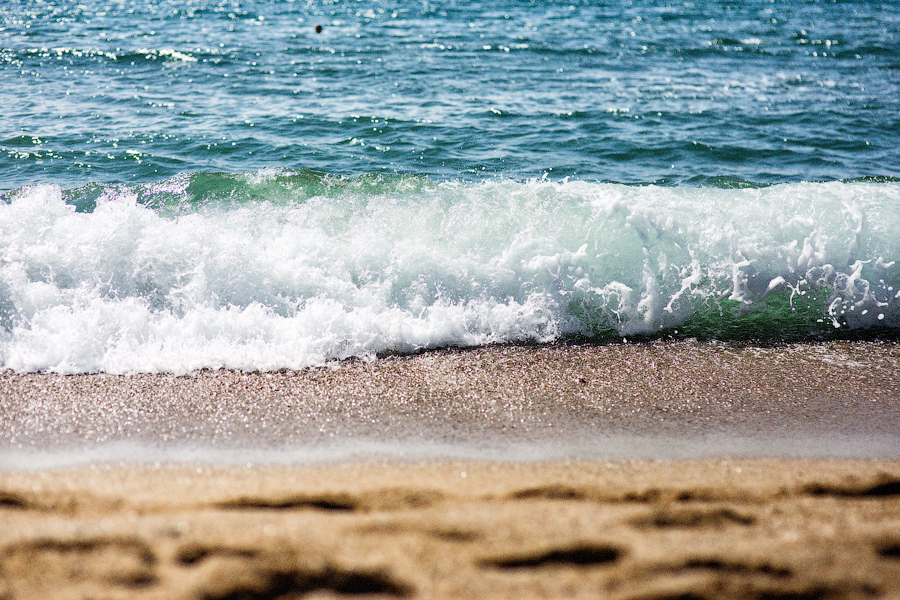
(779, 318)
(651, 92)
(193, 192)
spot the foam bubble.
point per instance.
(156, 278)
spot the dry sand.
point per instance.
(371, 498)
(700, 529)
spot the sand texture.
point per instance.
(762, 528)
(674, 400)
(679, 470)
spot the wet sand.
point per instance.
(675, 400)
(666, 470)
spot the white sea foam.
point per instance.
(288, 281)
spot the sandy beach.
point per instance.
(440, 299)
(660, 400)
(700, 529)
(660, 470)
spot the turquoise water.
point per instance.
(686, 93)
(206, 184)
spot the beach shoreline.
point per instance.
(449, 299)
(653, 400)
(657, 470)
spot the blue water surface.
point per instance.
(697, 93)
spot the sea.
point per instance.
(261, 185)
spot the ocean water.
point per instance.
(265, 185)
